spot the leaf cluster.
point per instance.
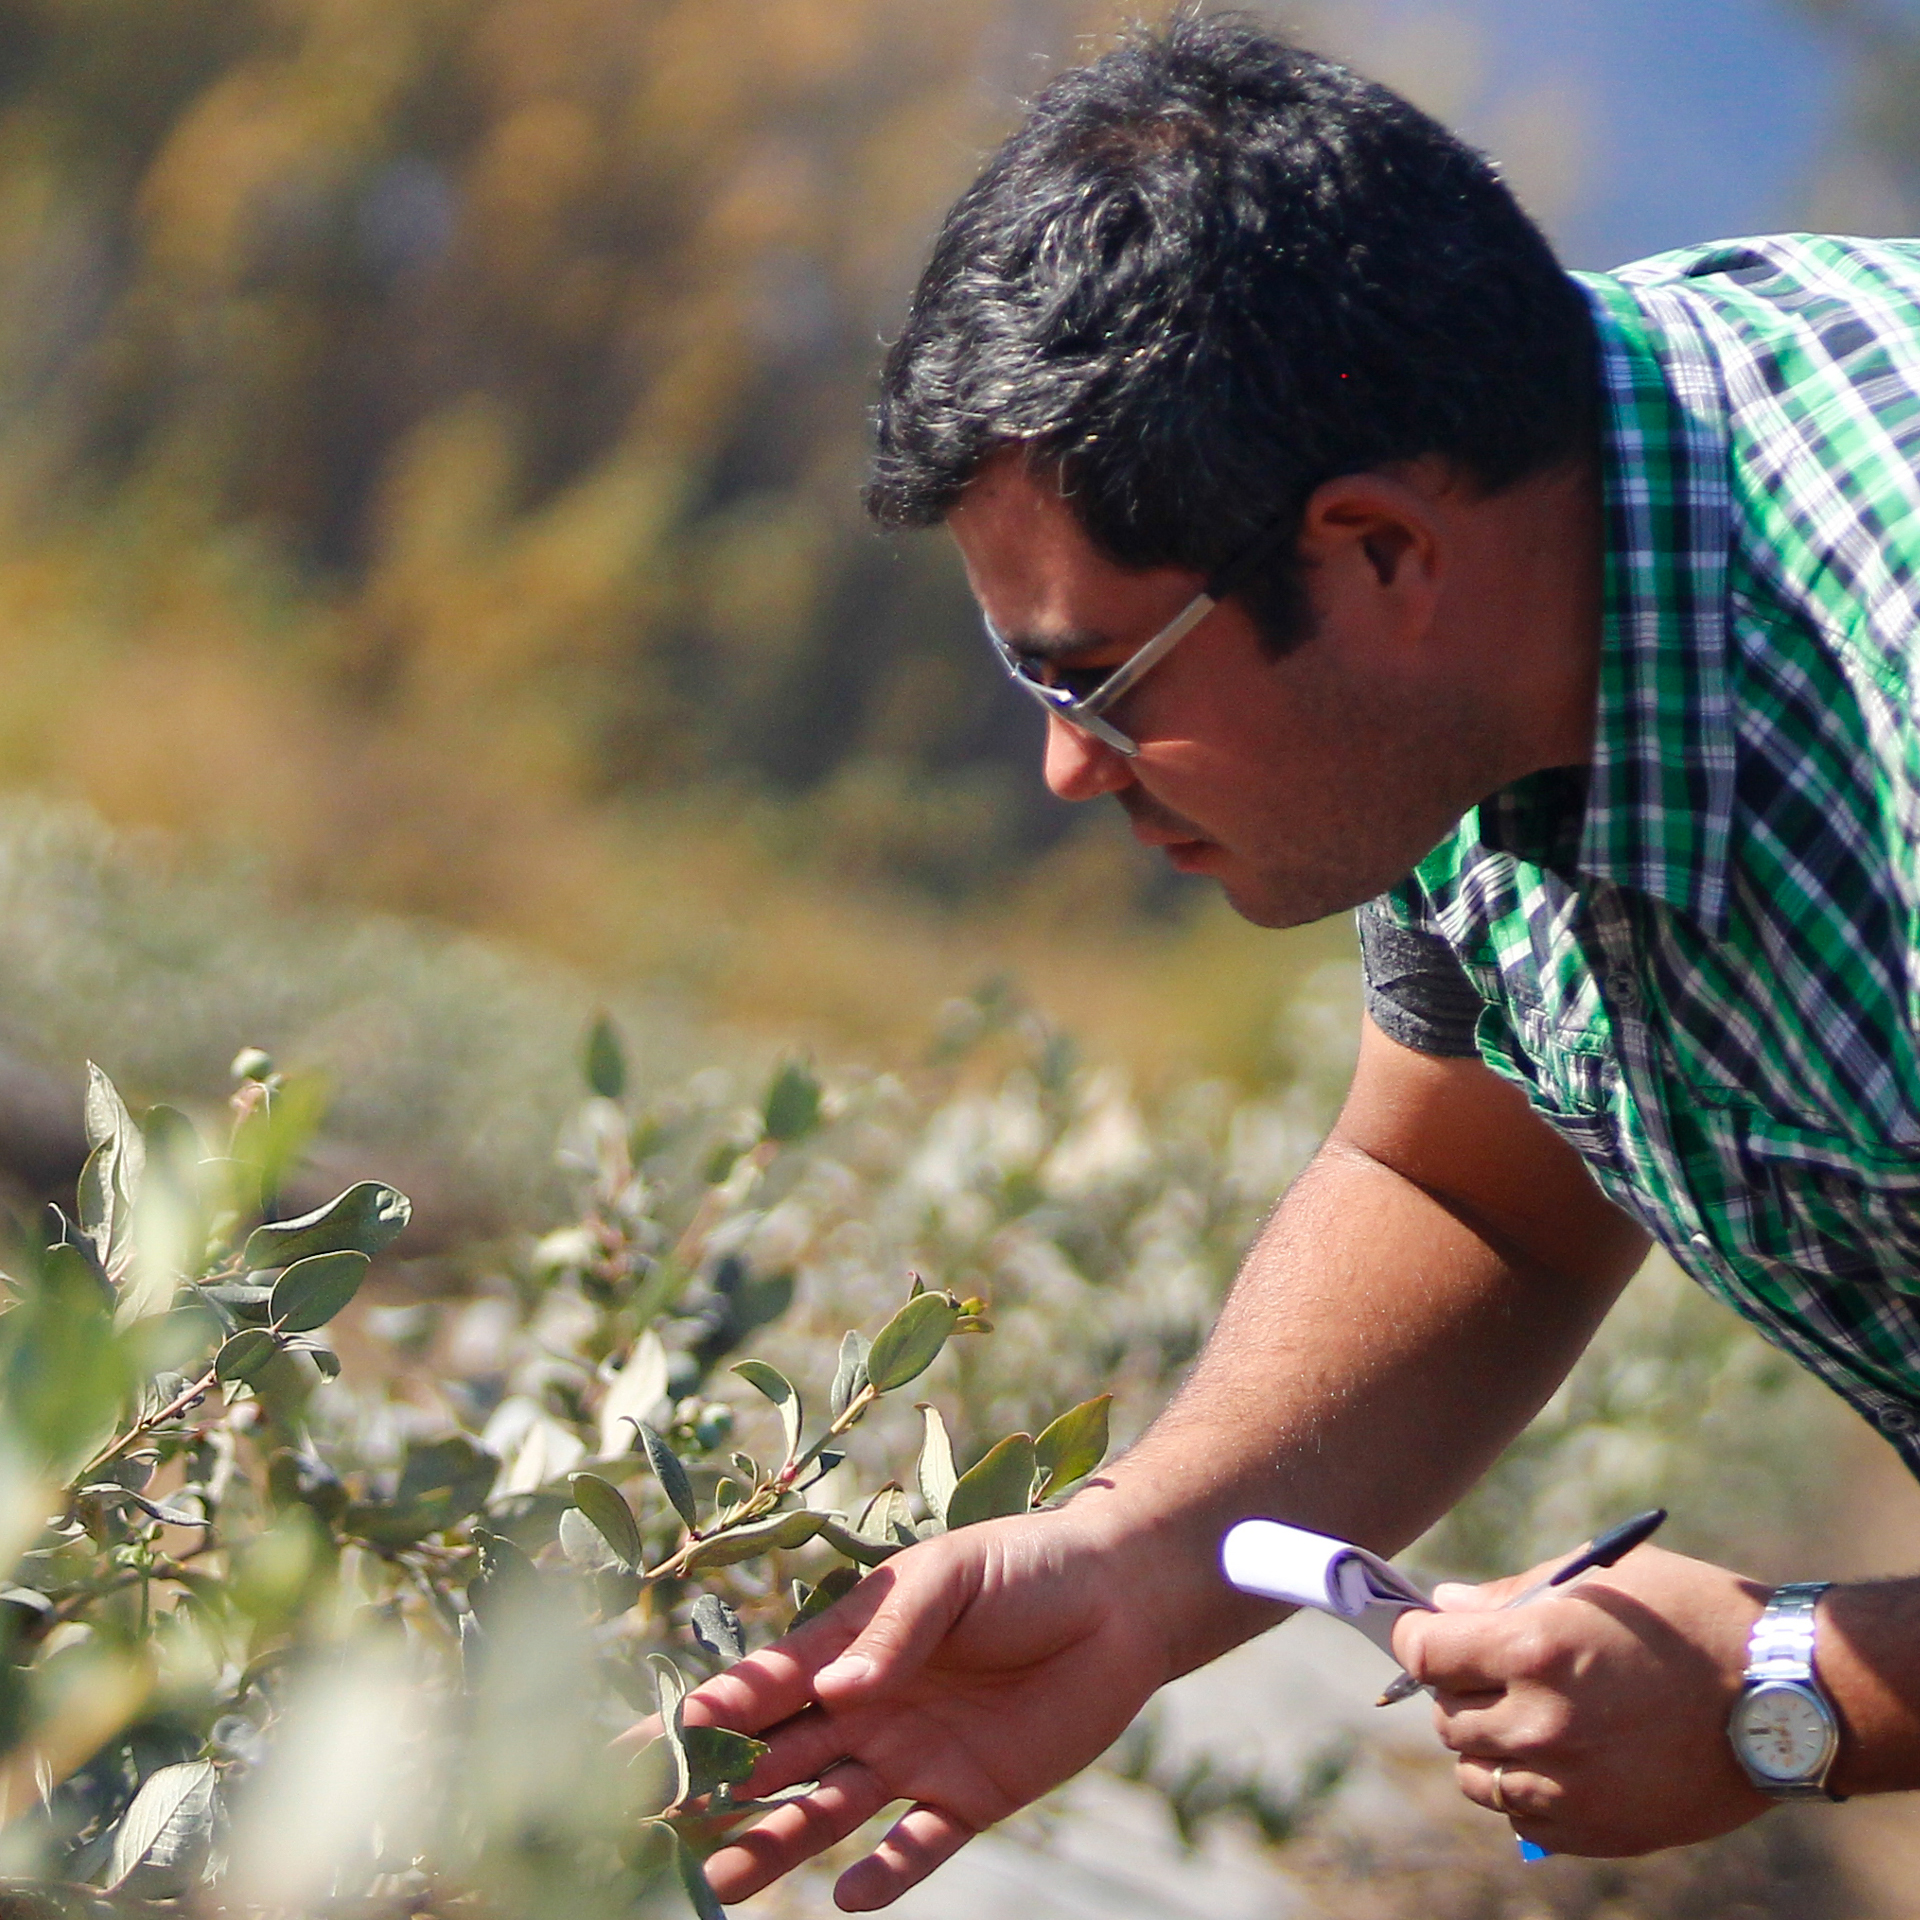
(226, 1524)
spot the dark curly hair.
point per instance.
(1210, 272)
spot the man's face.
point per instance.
(1303, 784)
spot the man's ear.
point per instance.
(1376, 534)
(1386, 546)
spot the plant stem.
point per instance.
(854, 1408)
(172, 1410)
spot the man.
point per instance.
(1364, 557)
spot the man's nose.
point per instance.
(1079, 767)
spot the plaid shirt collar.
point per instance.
(1653, 811)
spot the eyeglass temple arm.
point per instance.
(1129, 672)
(1226, 582)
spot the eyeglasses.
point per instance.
(1081, 696)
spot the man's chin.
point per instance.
(1267, 902)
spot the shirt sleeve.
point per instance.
(1417, 992)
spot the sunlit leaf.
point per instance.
(632, 1395)
(162, 1840)
(856, 1546)
(851, 1374)
(715, 1755)
(672, 1693)
(671, 1475)
(999, 1484)
(604, 1504)
(1073, 1445)
(781, 1391)
(366, 1218)
(585, 1545)
(887, 1517)
(834, 1585)
(717, 1628)
(779, 1531)
(911, 1341)
(935, 1471)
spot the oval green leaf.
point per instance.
(887, 1518)
(911, 1341)
(851, 1374)
(245, 1355)
(781, 1391)
(793, 1103)
(672, 1697)
(999, 1484)
(1073, 1445)
(670, 1473)
(605, 1060)
(779, 1531)
(585, 1545)
(935, 1472)
(717, 1628)
(856, 1546)
(715, 1755)
(833, 1586)
(313, 1290)
(364, 1219)
(604, 1504)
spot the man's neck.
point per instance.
(1523, 606)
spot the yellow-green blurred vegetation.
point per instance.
(430, 434)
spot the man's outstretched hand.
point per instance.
(967, 1675)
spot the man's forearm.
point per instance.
(1869, 1658)
(1375, 1357)
(1382, 1345)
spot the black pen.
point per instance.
(1601, 1551)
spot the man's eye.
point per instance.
(1080, 683)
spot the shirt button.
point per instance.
(1701, 1241)
(1898, 1420)
(1627, 992)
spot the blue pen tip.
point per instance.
(1530, 1851)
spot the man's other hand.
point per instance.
(967, 1675)
(1606, 1704)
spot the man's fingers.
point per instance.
(1471, 1653)
(888, 1624)
(802, 1748)
(775, 1683)
(917, 1842)
(1523, 1796)
(795, 1832)
(917, 1597)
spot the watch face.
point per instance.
(1783, 1733)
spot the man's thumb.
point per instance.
(910, 1621)
(1460, 1596)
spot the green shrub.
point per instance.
(297, 1631)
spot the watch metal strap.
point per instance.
(1781, 1647)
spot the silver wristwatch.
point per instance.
(1783, 1727)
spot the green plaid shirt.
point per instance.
(1700, 957)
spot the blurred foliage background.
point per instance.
(429, 439)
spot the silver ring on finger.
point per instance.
(1499, 1791)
